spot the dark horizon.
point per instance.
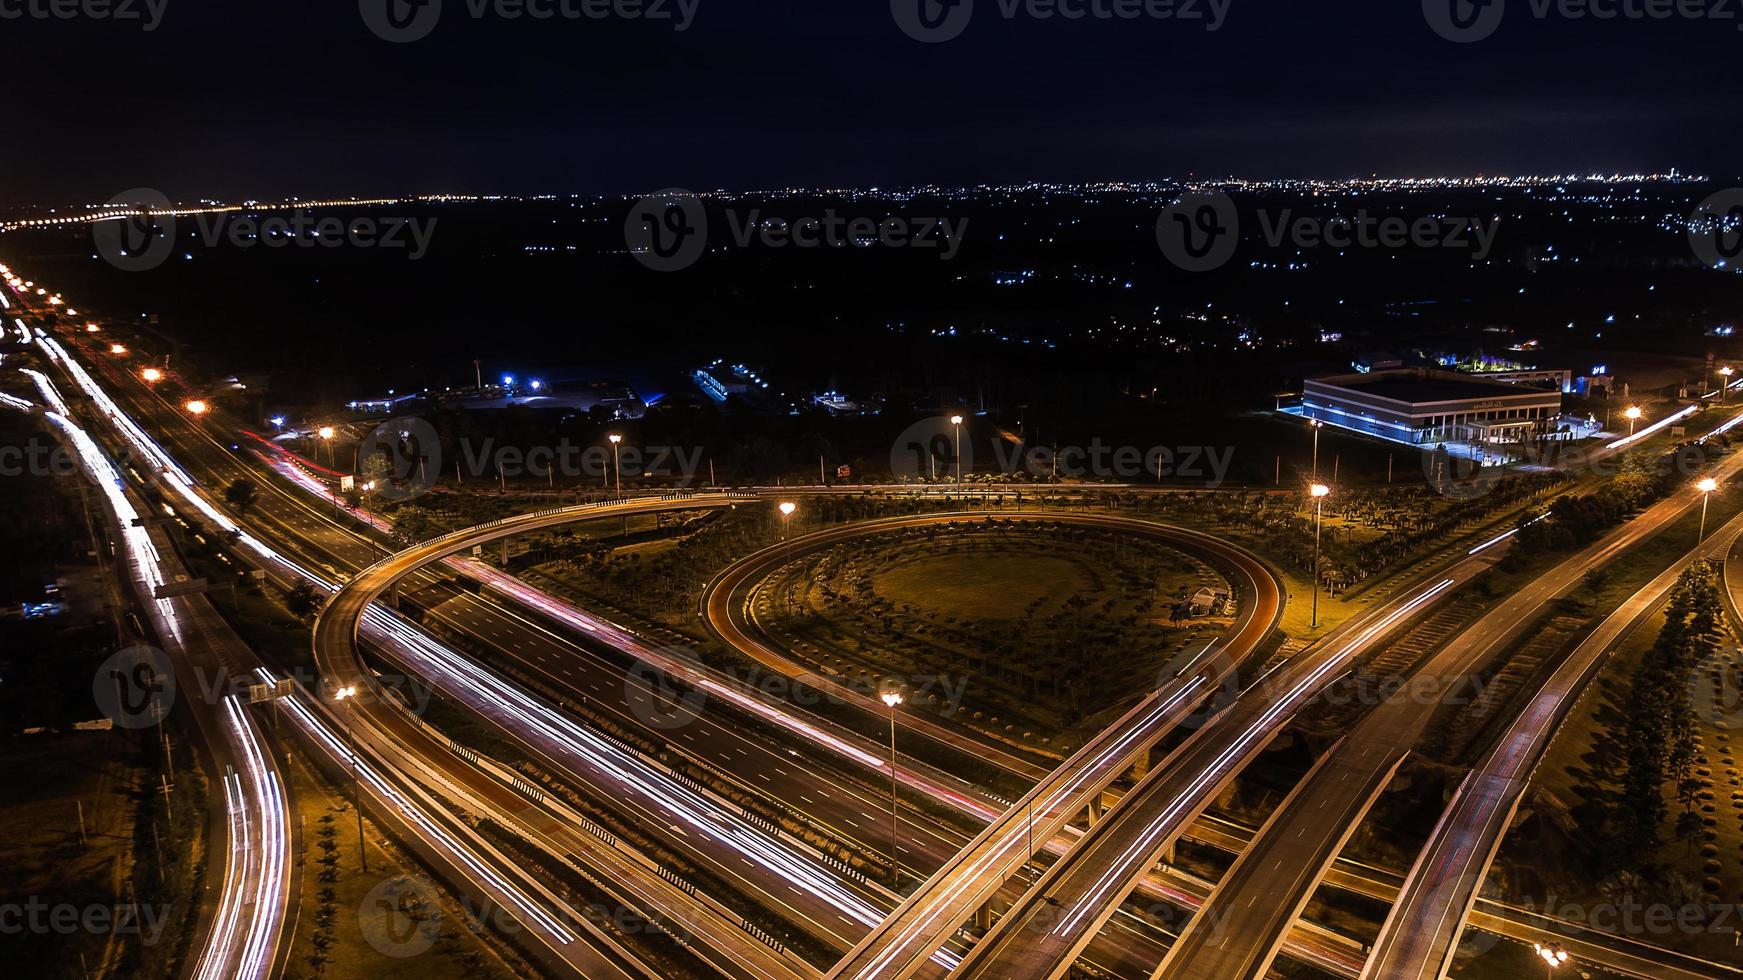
(269, 103)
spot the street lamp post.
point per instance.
(616, 470)
(1725, 384)
(1317, 425)
(1320, 491)
(787, 508)
(1553, 956)
(346, 695)
(1632, 415)
(893, 699)
(1706, 487)
(956, 423)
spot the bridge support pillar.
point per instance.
(983, 917)
(1095, 810)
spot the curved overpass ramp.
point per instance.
(726, 610)
(1422, 932)
(905, 942)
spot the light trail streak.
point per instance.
(663, 794)
(525, 712)
(432, 831)
(265, 859)
(973, 874)
(1164, 824)
(1497, 539)
(272, 856)
(1655, 427)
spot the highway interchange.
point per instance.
(544, 655)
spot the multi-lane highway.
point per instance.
(483, 876)
(243, 930)
(1238, 933)
(1422, 932)
(901, 944)
(1041, 936)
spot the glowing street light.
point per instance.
(1319, 491)
(1725, 385)
(346, 695)
(197, 407)
(117, 349)
(92, 328)
(787, 508)
(1706, 487)
(956, 422)
(1316, 425)
(892, 699)
(327, 432)
(616, 440)
(1553, 956)
(1632, 415)
(151, 375)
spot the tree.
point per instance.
(240, 495)
(301, 600)
(1659, 734)
(412, 526)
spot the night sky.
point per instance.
(269, 98)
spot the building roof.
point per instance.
(1415, 387)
